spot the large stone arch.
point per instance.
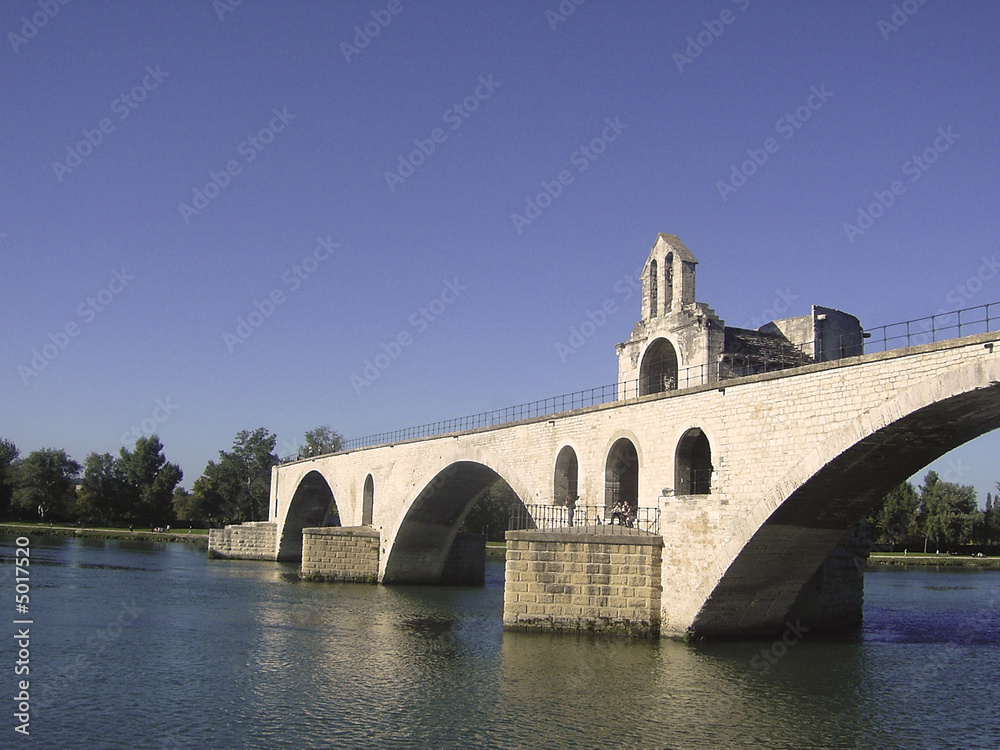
(659, 367)
(422, 539)
(311, 503)
(693, 463)
(622, 464)
(803, 517)
(566, 474)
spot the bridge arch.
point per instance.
(621, 471)
(693, 463)
(566, 475)
(803, 517)
(310, 505)
(659, 368)
(368, 501)
(419, 545)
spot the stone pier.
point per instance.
(337, 553)
(583, 580)
(255, 540)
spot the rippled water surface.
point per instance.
(139, 645)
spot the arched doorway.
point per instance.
(658, 372)
(693, 464)
(621, 476)
(368, 501)
(566, 476)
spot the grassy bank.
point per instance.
(931, 559)
(192, 536)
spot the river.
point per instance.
(151, 645)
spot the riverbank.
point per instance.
(188, 536)
(931, 560)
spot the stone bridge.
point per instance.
(756, 479)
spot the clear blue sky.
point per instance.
(226, 146)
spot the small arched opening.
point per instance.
(653, 280)
(658, 372)
(566, 476)
(368, 501)
(621, 476)
(693, 464)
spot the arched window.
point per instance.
(368, 502)
(668, 287)
(693, 464)
(652, 289)
(567, 474)
(658, 372)
(621, 476)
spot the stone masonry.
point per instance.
(255, 540)
(583, 580)
(335, 553)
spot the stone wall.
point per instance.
(466, 563)
(337, 553)
(255, 540)
(578, 580)
(833, 599)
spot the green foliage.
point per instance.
(940, 515)
(947, 511)
(44, 485)
(149, 481)
(8, 457)
(102, 496)
(238, 487)
(895, 521)
(491, 510)
(321, 440)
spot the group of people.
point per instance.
(623, 513)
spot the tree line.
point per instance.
(936, 516)
(140, 487)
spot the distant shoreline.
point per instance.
(927, 560)
(15, 529)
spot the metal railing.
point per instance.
(939, 327)
(544, 517)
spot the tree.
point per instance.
(992, 520)
(103, 493)
(490, 512)
(238, 486)
(149, 481)
(8, 459)
(895, 520)
(45, 485)
(947, 511)
(321, 440)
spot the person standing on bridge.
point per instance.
(570, 507)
